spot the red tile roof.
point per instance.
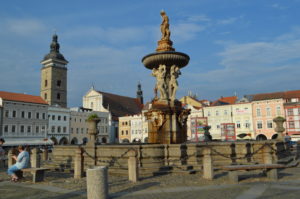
(224, 101)
(21, 97)
(276, 95)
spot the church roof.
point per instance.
(21, 97)
(121, 105)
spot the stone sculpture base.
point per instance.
(167, 122)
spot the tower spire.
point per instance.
(139, 93)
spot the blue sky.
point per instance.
(235, 46)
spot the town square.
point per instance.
(173, 99)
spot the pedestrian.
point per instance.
(22, 161)
(2, 153)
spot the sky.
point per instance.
(236, 47)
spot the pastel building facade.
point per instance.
(242, 118)
(264, 111)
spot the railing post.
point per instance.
(268, 159)
(133, 173)
(45, 154)
(10, 160)
(208, 170)
(35, 158)
(78, 164)
(97, 183)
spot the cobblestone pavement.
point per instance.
(175, 186)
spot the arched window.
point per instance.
(58, 83)
(45, 96)
(58, 96)
(46, 83)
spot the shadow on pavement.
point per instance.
(134, 189)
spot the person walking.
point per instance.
(2, 153)
(22, 161)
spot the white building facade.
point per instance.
(24, 119)
(59, 124)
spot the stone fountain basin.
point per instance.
(168, 58)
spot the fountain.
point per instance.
(167, 118)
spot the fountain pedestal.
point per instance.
(167, 123)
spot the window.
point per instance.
(217, 113)
(29, 115)
(58, 129)
(290, 112)
(37, 129)
(218, 126)
(28, 129)
(53, 117)
(258, 113)
(43, 128)
(58, 83)
(23, 114)
(6, 113)
(65, 118)
(298, 111)
(46, 83)
(58, 117)
(81, 130)
(65, 129)
(268, 110)
(58, 96)
(13, 128)
(126, 132)
(44, 115)
(22, 129)
(37, 115)
(259, 124)
(225, 112)
(45, 96)
(122, 132)
(14, 114)
(247, 124)
(72, 130)
(238, 124)
(291, 124)
(278, 110)
(269, 124)
(208, 113)
(5, 128)
(77, 130)
(53, 129)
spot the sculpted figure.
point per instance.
(164, 27)
(173, 84)
(160, 75)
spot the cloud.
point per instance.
(186, 31)
(230, 20)
(111, 34)
(199, 18)
(278, 6)
(252, 67)
(24, 27)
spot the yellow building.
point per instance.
(124, 129)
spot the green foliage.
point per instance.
(92, 117)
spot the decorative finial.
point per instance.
(165, 44)
(54, 46)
